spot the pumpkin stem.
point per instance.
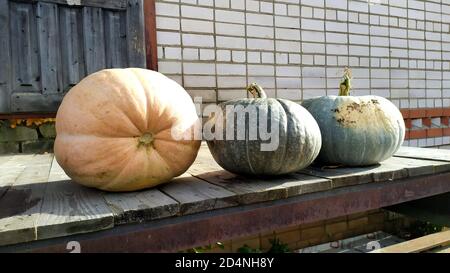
(346, 83)
(257, 91)
(146, 139)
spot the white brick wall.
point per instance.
(399, 49)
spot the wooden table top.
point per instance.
(38, 201)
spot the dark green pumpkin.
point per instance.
(299, 138)
(356, 131)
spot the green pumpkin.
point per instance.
(299, 139)
(356, 130)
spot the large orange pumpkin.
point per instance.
(120, 130)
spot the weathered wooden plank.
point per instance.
(255, 189)
(12, 167)
(5, 57)
(195, 195)
(419, 244)
(6, 158)
(94, 39)
(174, 234)
(116, 39)
(35, 102)
(260, 189)
(48, 37)
(303, 184)
(69, 208)
(20, 206)
(416, 167)
(424, 153)
(387, 170)
(116, 4)
(136, 34)
(140, 206)
(25, 57)
(72, 52)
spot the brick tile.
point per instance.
(435, 132)
(416, 134)
(417, 113)
(426, 121)
(446, 131)
(434, 112)
(408, 123)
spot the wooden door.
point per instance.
(48, 46)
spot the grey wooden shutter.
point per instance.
(46, 47)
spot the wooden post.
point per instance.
(150, 35)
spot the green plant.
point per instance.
(278, 246)
(246, 249)
(419, 229)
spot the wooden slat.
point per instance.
(25, 57)
(11, 167)
(253, 189)
(116, 39)
(424, 153)
(116, 4)
(20, 206)
(35, 102)
(195, 195)
(416, 167)
(419, 244)
(69, 208)
(71, 25)
(94, 39)
(49, 47)
(140, 206)
(5, 58)
(347, 176)
(174, 234)
(136, 34)
(7, 158)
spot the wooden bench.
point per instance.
(436, 243)
(41, 210)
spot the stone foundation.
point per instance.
(31, 138)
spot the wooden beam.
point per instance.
(27, 115)
(418, 245)
(150, 35)
(116, 4)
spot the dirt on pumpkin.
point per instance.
(349, 115)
